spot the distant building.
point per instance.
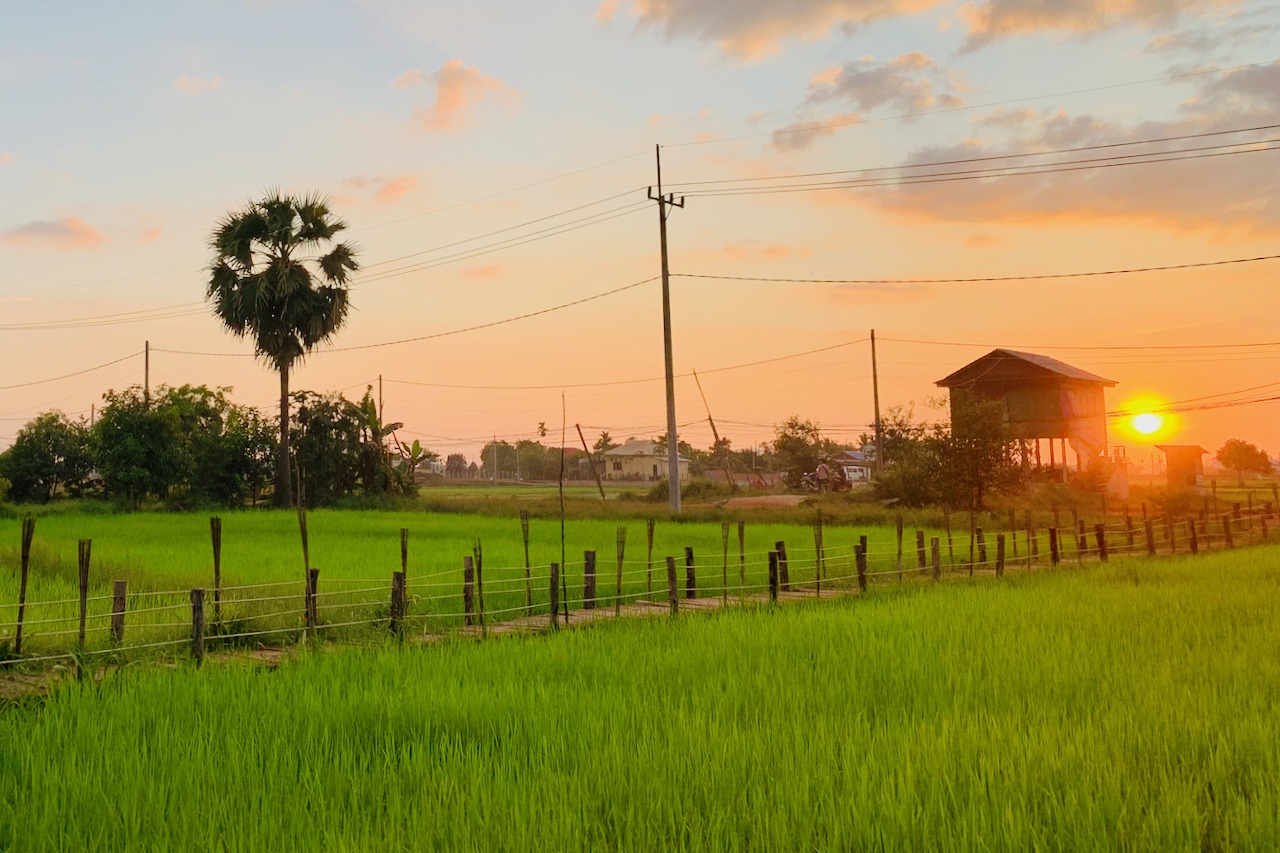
(857, 468)
(1184, 464)
(1043, 399)
(638, 459)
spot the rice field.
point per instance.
(1132, 706)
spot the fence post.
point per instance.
(197, 625)
(724, 565)
(622, 549)
(742, 558)
(1128, 528)
(28, 533)
(982, 549)
(690, 575)
(951, 551)
(860, 560)
(921, 560)
(999, 555)
(588, 580)
(784, 575)
(313, 581)
(1100, 536)
(397, 602)
(773, 577)
(478, 553)
(1054, 554)
(1192, 539)
(468, 589)
(936, 547)
(898, 525)
(1149, 529)
(404, 561)
(1250, 515)
(1082, 541)
(649, 530)
(215, 535)
(528, 574)
(673, 591)
(817, 556)
(85, 547)
(1033, 542)
(1235, 511)
(119, 596)
(553, 597)
(1226, 531)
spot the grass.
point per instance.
(1132, 706)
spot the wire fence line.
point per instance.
(528, 598)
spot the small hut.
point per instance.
(1043, 399)
(1184, 465)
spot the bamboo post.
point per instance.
(197, 625)
(397, 602)
(85, 547)
(860, 560)
(1054, 554)
(673, 591)
(617, 590)
(1100, 535)
(468, 589)
(784, 575)
(313, 581)
(920, 555)
(588, 580)
(119, 597)
(999, 555)
(528, 573)
(404, 561)
(951, 551)
(773, 577)
(982, 549)
(478, 553)
(724, 565)
(742, 558)
(215, 535)
(936, 548)
(899, 530)
(28, 533)
(1192, 540)
(1149, 529)
(553, 597)
(817, 555)
(690, 575)
(1226, 531)
(649, 530)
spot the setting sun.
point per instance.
(1147, 423)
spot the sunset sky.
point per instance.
(491, 160)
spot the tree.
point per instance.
(279, 278)
(455, 465)
(604, 443)
(50, 452)
(1243, 458)
(799, 447)
(138, 447)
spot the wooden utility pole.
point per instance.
(665, 203)
(591, 462)
(875, 393)
(146, 373)
(715, 433)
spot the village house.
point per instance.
(639, 459)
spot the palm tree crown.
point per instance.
(279, 278)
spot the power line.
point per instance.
(1056, 346)
(970, 107)
(69, 375)
(1037, 277)
(165, 313)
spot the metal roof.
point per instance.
(995, 365)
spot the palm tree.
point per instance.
(279, 278)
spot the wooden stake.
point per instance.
(119, 597)
(215, 535)
(197, 625)
(1149, 529)
(999, 555)
(1192, 539)
(649, 530)
(553, 597)
(397, 603)
(589, 580)
(690, 575)
(673, 591)
(817, 556)
(313, 581)
(85, 547)
(773, 577)
(784, 576)
(982, 549)
(951, 551)
(1013, 532)
(1054, 554)
(1100, 535)
(622, 549)
(468, 589)
(920, 555)
(724, 566)
(935, 547)
(1082, 541)
(1226, 532)
(899, 531)
(478, 553)
(28, 533)
(742, 558)
(860, 560)
(528, 574)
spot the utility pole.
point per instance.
(146, 373)
(875, 392)
(495, 460)
(715, 433)
(665, 202)
(379, 396)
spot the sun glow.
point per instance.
(1147, 423)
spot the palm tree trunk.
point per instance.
(284, 486)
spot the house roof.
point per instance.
(1181, 448)
(1003, 365)
(637, 447)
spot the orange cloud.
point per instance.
(409, 79)
(1000, 18)
(394, 189)
(66, 233)
(459, 90)
(606, 10)
(196, 85)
